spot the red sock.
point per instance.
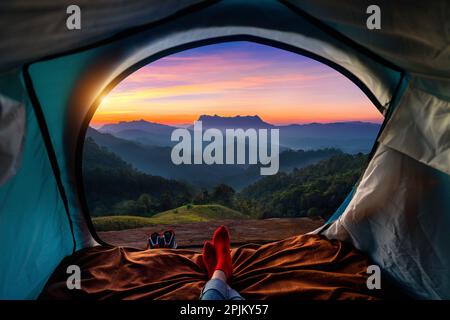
(209, 258)
(221, 240)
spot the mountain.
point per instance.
(113, 186)
(149, 159)
(140, 125)
(289, 160)
(314, 190)
(351, 137)
(156, 160)
(145, 132)
(95, 156)
(147, 147)
(104, 139)
(237, 122)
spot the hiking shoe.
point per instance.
(155, 241)
(169, 239)
(162, 240)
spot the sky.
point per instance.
(236, 78)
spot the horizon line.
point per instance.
(280, 124)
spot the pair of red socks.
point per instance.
(216, 253)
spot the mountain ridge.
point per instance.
(224, 120)
(156, 160)
(349, 136)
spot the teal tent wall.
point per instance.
(34, 228)
(53, 82)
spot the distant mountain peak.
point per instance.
(238, 121)
(137, 121)
(334, 124)
(141, 124)
(215, 116)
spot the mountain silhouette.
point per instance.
(351, 136)
(145, 132)
(156, 160)
(139, 125)
(236, 122)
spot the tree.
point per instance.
(201, 197)
(313, 212)
(167, 200)
(148, 202)
(128, 207)
(315, 190)
(223, 194)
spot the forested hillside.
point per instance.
(314, 190)
(114, 187)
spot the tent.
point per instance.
(52, 79)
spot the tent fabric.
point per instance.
(403, 225)
(398, 213)
(34, 230)
(414, 35)
(303, 267)
(424, 120)
(53, 90)
(12, 130)
(41, 25)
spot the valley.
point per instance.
(133, 188)
(147, 147)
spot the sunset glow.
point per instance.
(238, 78)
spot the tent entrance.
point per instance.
(266, 141)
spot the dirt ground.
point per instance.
(192, 235)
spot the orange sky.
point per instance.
(238, 78)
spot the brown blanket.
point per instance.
(302, 267)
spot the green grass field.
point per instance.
(184, 214)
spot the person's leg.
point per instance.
(221, 242)
(217, 259)
(209, 258)
(218, 289)
(215, 289)
(234, 295)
